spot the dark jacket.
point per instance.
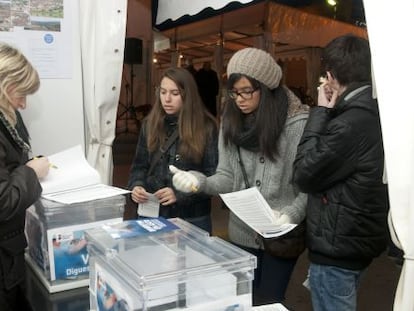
(208, 87)
(340, 163)
(187, 205)
(19, 189)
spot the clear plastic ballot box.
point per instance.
(172, 265)
(57, 251)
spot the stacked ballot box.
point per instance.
(57, 250)
(158, 264)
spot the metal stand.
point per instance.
(129, 110)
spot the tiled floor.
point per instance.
(377, 287)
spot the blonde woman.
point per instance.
(19, 178)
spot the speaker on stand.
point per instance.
(132, 56)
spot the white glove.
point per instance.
(283, 219)
(184, 181)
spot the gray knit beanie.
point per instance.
(256, 64)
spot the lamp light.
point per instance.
(332, 2)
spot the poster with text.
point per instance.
(42, 30)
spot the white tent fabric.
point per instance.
(390, 32)
(102, 27)
(174, 9)
(302, 33)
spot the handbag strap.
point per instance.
(163, 149)
(246, 180)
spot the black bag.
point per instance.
(131, 211)
(289, 245)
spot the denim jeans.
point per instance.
(333, 288)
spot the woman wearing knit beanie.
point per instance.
(262, 124)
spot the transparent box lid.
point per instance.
(167, 256)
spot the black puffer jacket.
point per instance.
(340, 163)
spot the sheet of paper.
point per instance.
(250, 206)
(73, 171)
(271, 307)
(86, 193)
(151, 208)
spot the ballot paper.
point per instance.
(151, 208)
(250, 206)
(271, 307)
(72, 179)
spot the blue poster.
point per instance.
(111, 294)
(70, 254)
(141, 226)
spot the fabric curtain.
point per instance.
(102, 28)
(174, 9)
(393, 64)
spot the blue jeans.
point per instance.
(333, 288)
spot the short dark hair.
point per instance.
(348, 59)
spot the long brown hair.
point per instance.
(195, 123)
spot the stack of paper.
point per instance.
(72, 179)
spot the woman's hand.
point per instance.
(184, 181)
(281, 218)
(166, 196)
(40, 166)
(139, 195)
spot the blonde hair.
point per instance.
(17, 75)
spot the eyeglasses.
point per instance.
(243, 94)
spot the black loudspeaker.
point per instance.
(133, 51)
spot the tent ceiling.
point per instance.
(290, 29)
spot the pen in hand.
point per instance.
(51, 165)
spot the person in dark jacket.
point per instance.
(178, 107)
(208, 86)
(19, 178)
(340, 164)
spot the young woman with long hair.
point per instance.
(178, 107)
(261, 128)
